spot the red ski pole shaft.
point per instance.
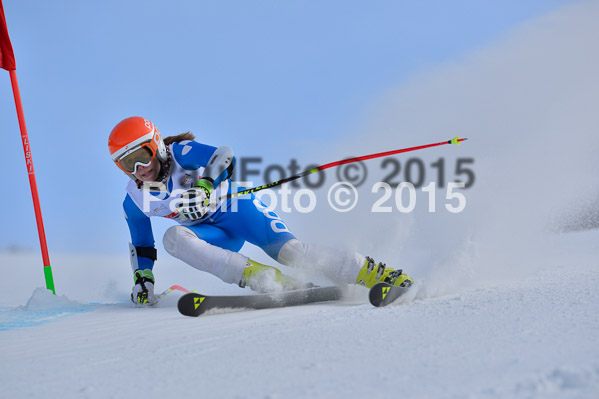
(455, 140)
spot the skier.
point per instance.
(181, 179)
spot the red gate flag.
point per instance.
(7, 57)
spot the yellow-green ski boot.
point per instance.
(370, 274)
(263, 278)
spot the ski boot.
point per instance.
(143, 290)
(267, 279)
(370, 274)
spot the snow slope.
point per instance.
(534, 337)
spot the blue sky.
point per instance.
(260, 76)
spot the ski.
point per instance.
(382, 294)
(195, 304)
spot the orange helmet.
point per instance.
(134, 142)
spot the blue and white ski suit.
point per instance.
(212, 243)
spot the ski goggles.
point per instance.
(142, 155)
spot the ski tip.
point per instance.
(457, 140)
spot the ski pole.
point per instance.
(455, 140)
(171, 289)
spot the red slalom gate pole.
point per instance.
(32, 182)
(7, 61)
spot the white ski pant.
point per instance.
(184, 244)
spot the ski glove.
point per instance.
(143, 290)
(194, 205)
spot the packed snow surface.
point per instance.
(531, 337)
